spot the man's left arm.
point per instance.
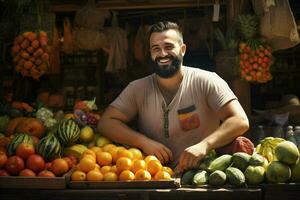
(234, 123)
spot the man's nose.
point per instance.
(163, 53)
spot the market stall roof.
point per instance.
(68, 5)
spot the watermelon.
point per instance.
(49, 147)
(68, 132)
(18, 139)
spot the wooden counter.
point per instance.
(262, 192)
(161, 194)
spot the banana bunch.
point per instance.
(76, 150)
(266, 147)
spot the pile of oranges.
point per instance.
(117, 163)
(255, 62)
(30, 54)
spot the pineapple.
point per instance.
(248, 25)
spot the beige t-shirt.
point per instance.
(190, 116)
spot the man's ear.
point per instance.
(183, 49)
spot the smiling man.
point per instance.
(182, 112)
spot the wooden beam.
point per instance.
(125, 5)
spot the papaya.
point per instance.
(31, 126)
(200, 178)
(220, 163)
(12, 125)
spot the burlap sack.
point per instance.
(277, 23)
(91, 17)
(88, 39)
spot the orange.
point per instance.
(110, 176)
(105, 169)
(77, 167)
(154, 166)
(97, 167)
(137, 154)
(89, 152)
(137, 165)
(96, 149)
(59, 166)
(3, 159)
(94, 175)
(162, 175)
(150, 157)
(86, 164)
(142, 175)
(169, 170)
(123, 163)
(126, 175)
(89, 156)
(113, 151)
(103, 158)
(106, 147)
(114, 169)
(124, 153)
(78, 176)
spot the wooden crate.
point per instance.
(122, 184)
(22, 182)
(281, 191)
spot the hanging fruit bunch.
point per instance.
(255, 56)
(30, 54)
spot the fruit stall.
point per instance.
(63, 62)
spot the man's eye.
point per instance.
(169, 47)
(156, 50)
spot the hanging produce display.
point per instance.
(30, 55)
(255, 56)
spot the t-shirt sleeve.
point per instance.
(126, 101)
(219, 93)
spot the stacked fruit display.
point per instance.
(84, 112)
(117, 163)
(23, 158)
(30, 54)
(241, 168)
(255, 57)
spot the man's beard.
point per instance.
(169, 70)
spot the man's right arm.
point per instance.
(113, 126)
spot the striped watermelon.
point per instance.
(68, 132)
(18, 139)
(49, 147)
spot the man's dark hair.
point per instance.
(164, 26)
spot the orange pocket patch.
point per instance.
(188, 118)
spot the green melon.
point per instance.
(68, 132)
(296, 172)
(278, 172)
(287, 152)
(254, 174)
(49, 147)
(217, 178)
(18, 139)
(187, 177)
(235, 176)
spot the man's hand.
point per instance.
(163, 153)
(191, 156)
